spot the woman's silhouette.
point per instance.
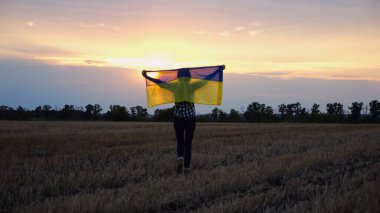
(184, 112)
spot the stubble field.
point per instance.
(129, 167)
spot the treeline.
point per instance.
(255, 112)
(294, 112)
(71, 112)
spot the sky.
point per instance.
(277, 51)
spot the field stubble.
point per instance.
(129, 167)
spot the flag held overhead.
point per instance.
(201, 85)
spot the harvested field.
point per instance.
(129, 167)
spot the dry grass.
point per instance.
(128, 167)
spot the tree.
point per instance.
(356, 109)
(46, 110)
(268, 110)
(315, 115)
(334, 112)
(334, 108)
(92, 111)
(290, 110)
(21, 113)
(374, 109)
(164, 114)
(222, 116)
(257, 112)
(96, 111)
(142, 113)
(5, 112)
(67, 111)
(315, 109)
(118, 113)
(3, 108)
(139, 113)
(133, 112)
(234, 116)
(293, 111)
(20, 109)
(89, 110)
(46, 107)
(300, 112)
(38, 111)
(215, 114)
(282, 109)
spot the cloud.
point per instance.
(31, 23)
(252, 33)
(352, 77)
(31, 50)
(277, 73)
(117, 28)
(97, 25)
(256, 24)
(42, 22)
(199, 32)
(225, 34)
(331, 75)
(95, 62)
(239, 28)
(274, 74)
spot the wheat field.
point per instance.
(129, 167)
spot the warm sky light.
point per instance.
(275, 51)
(321, 39)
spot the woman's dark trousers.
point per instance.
(184, 130)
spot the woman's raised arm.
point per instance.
(157, 81)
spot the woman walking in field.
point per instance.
(184, 112)
(184, 120)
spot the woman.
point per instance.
(184, 126)
(184, 113)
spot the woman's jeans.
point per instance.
(184, 130)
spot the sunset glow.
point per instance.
(81, 52)
(343, 43)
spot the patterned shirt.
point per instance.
(184, 109)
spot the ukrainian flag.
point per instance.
(201, 85)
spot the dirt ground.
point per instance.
(130, 167)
